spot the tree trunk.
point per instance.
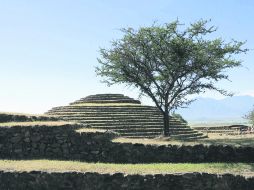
(166, 123)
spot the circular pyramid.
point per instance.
(124, 115)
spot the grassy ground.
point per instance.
(64, 166)
(241, 140)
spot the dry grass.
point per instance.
(244, 140)
(90, 130)
(35, 123)
(143, 169)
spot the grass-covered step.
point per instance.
(143, 169)
(106, 109)
(109, 117)
(107, 105)
(140, 137)
(176, 132)
(106, 97)
(120, 121)
(139, 129)
(134, 134)
(116, 100)
(109, 114)
(122, 124)
(181, 128)
(187, 136)
(117, 127)
(221, 131)
(104, 113)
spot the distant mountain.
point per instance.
(230, 108)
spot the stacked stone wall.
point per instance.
(95, 181)
(9, 117)
(62, 142)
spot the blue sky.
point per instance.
(48, 49)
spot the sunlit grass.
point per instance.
(247, 140)
(90, 130)
(155, 168)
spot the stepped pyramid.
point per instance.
(124, 115)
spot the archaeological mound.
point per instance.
(124, 115)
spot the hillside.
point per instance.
(230, 108)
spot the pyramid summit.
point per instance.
(124, 115)
(106, 98)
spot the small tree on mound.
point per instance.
(167, 63)
(180, 117)
(250, 117)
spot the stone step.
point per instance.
(128, 120)
(101, 101)
(146, 130)
(156, 130)
(105, 95)
(119, 123)
(141, 134)
(219, 131)
(141, 137)
(133, 126)
(130, 108)
(105, 99)
(109, 115)
(195, 138)
(147, 127)
(114, 116)
(124, 123)
(178, 132)
(109, 119)
(184, 136)
(101, 113)
(150, 137)
(105, 114)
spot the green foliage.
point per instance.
(168, 63)
(250, 117)
(178, 116)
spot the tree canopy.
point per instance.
(250, 117)
(169, 62)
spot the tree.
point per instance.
(250, 117)
(168, 62)
(179, 117)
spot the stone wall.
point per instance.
(95, 181)
(12, 117)
(62, 142)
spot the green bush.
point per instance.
(178, 116)
(250, 116)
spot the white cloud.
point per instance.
(247, 93)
